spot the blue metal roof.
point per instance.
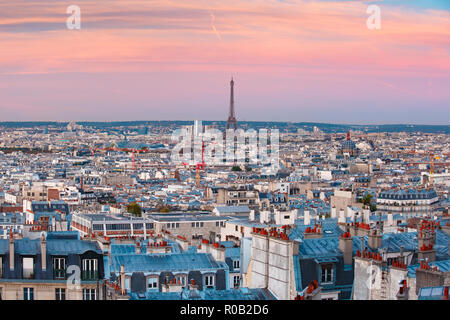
(330, 228)
(165, 262)
(233, 252)
(208, 294)
(27, 246)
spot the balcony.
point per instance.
(89, 275)
(59, 274)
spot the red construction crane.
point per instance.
(200, 166)
(132, 150)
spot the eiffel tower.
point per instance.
(231, 122)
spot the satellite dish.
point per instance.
(44, 234)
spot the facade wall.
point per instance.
(45, 291)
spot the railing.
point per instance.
(87, 275)
(59, 274)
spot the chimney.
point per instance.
(264, 217)
(390, 219)
(138, 248)
(122, 279)
(375, 239)
(307, 218)
(361, 249)
(351, 213)
(341, 218)
(11, 250)
(426, 249)
(193, 285)
(346, 247)
(366, 216)
(252, 215)
(43, 252)
(403, 292)
(333, 212)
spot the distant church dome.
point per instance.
(348, 146)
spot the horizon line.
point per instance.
(273, 121)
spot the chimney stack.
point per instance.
(122, 279)
(11, 250)
(307, 218)
(341, 218)
(346, 246)
(333, 212)
(252, 215)
(43, 252)
(403, 292)
(426, 249)
(390, 217)
(375, 239)
(138, 248)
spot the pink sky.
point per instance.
(291, 60)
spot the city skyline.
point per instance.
(299, 61)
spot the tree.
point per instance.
(367, 199)
(236, 168)
(134, 209)
(164, 209)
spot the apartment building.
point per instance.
(57, 266)
(423, 201)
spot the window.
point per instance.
(327, 273)
(1, 267)
(28, 268)
(209, 281)
(236, 281)
(152, 283)
(89, 269)
(236, 264)
(28, 293)
(89, 294)
(59, 268)
(60, 294)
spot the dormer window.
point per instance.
(59, 268)
(28, 268)
(90, 269)
(209, 281)
(181, 279)
(327, 273)
(152, 283)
